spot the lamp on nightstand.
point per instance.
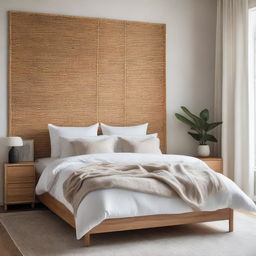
(14, 153)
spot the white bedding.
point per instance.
(117, 203)
(42, 163)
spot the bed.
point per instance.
(71, 83)
(117, 210)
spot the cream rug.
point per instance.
(42, 233)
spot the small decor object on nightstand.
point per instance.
(26, 152)
(13, 153)
(200, 127)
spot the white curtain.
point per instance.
(232, 92)
(252, 3)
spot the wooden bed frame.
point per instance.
(141, 222)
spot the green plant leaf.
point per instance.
(211, 126)
(198, 121)
(209, 137)
(204, 114)
(196, 136)
(185, 120)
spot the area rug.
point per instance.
(41, 233)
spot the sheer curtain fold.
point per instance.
(252, 3)
(232, 92)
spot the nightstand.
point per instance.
(19, 183)
(214, 163)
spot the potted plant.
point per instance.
(199, 127)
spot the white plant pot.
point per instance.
(203, 150)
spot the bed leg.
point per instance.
(231, 220)
(87, 239)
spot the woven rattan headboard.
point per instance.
(76, 71)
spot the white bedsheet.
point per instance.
(42, 163)
(117, 203)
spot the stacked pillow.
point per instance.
(68, 132)
(70, 141)
(72, 147)
(137, 130)
(89, 146)
(148, 145)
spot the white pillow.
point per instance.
(67, 149)
(137, 130)
(147, 146)
(69, 132)
(85, 146)
(119, 145)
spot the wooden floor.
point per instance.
(7, 246)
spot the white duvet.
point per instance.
(117, 203)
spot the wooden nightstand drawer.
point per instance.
(20, 193)
(21, 174)
(19, 183)
(214, 163)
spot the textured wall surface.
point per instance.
(74, 71)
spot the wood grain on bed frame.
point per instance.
(139, 222)
(76, 71)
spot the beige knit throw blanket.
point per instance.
(192, 183)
